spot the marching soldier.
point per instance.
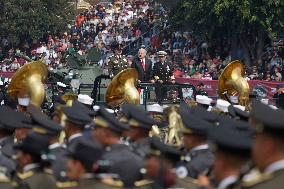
(267, 149)
(140, 126)
(76, 119)
(45, 126)
(230, 155)
(159, 168)
(198, 157)
(83, 166)
(123, 162)
(31, 165)
(162, 74)
(117, 62)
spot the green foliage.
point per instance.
(32, 18)
(240, 21)
(267, 15)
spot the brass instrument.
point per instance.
(29, 78)
(69, 98)
(175, 124)
(233, 82)
(122, 89)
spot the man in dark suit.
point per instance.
(143, 66)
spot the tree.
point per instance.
(245, 24)
(30, 19)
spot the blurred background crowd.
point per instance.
(134, 24)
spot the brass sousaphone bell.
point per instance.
(29, 78)
(122, 89)
(233, 82)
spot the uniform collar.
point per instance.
(227, 182)
(53, 146)
(200, 147)
(276, 166)
(29, 167)
(72, 137)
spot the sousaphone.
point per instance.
(29, 78)
(122, 89)
(233, 82)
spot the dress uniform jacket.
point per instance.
(141, 148)
(73, 141)
(143, 75)
(92, 183)
(59, 163)
(186, 183)
(6, 146)
(8, 164)
(7, 151)
(36, 178)
(116, 64)
(163, 71)
(124, 163)
(195, 163)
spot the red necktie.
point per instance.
(143, 64)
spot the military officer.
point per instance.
(162, 74)
(140, 126)
(159, 168)
(124, 163)
(83, 166)
(75, 122)
(198, 158)
(10, 121)
(57, 152)
(230, 155)
(30, 163)
(268, 147)
(117, 62)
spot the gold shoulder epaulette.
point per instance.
(190, 180)
(143, 182)
(66, 184)
(111, 182)
(259, 179)
(4, 179)
(26, 175)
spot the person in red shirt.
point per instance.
(80, 20)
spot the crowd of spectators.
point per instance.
(132, 24)
(123, 21)
(194, 59)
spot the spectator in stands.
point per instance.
(277, 74)
(200, 90)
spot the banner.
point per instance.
(266, 89)
(6, 74)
